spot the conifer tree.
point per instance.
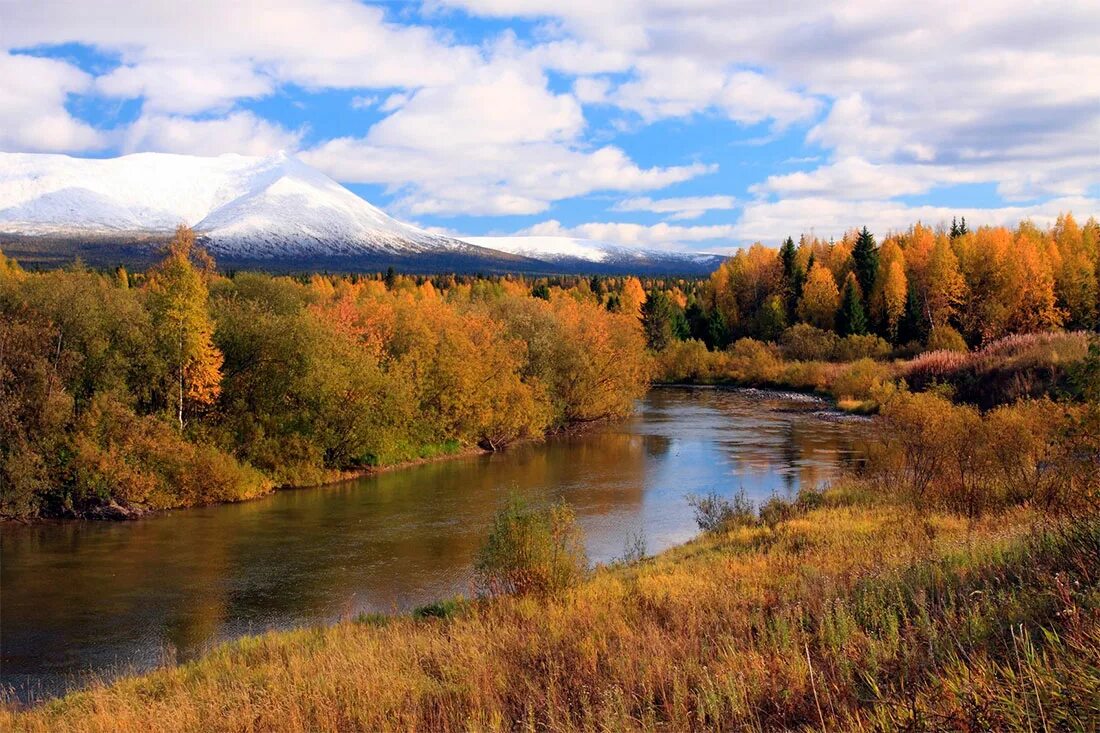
(852, 319)
(657, 320)
(865, 261)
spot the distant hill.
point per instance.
(273, 213)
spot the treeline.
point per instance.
(921, 289)
(121, 393)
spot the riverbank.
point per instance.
(856, 615)
(113, 511)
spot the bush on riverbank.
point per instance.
(1006, 370)
(531, 551)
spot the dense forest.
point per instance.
(125, 392)
(121, 393)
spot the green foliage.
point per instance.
(657, 320)
(445, 609)
(946, 338)
(865, 263)
(714, 513)
(532, 550)
(851, 318)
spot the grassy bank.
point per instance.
(855, 615)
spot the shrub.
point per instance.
(861, 380)
(715, 513)
(1034, 452)
(753, 361)
(856, 346)
(448, 608)
(946, 338)
(803, 342)
(687, 361)
(531, 551)
(775, 510)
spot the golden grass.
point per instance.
(828, 620)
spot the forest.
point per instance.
(180, 386)
(125, 392)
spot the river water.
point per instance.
(100, 598)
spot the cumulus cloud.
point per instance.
(895, 99)
(688, 207)
(172, 87)
(312, 43)
(1004, 92)
(240, 132)
(498, 143)
(829, 217)
(33, 92)
(659, 236)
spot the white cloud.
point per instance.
(240, 132)
(313, 43)
(829, 217)
(363, 102)
(636, 235)
(497, 143)
(689, 207)
(33, 92)
(172, 87)
(1006, 92)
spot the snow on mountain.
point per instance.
(242, 206)
(572, 249)
(276, 210)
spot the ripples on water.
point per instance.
(82, 597)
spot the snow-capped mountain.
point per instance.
(273, 212)
(242, 207)
(577, 254)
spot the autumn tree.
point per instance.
(177, 296)
(1075, 278)
(632, 297)
(946, 287)
(820, 298)
(895, 292)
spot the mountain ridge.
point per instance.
(273, 212)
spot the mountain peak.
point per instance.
(268, 210)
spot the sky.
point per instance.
(698, 125)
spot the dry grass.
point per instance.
(851, 616)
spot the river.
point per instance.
(101, 598)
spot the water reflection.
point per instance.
(101, 597)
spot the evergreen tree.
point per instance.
(770, 319)
(697, 322)
(912, 326)
(391, 278)
(657, 317)
(794, 277)
(851, 319)
(718, 330)
(865, 260)
(541, 291)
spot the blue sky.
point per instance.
(641, 122)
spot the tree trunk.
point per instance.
(179, 406)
